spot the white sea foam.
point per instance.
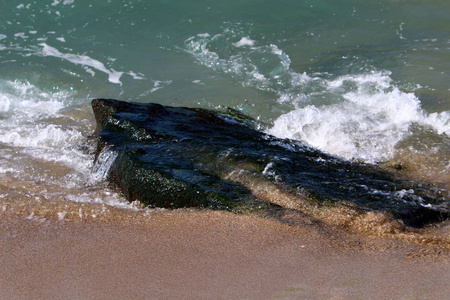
(4, 103)
(359, 116)
(43, 136)
(29, 100)
(251, 66)
(244, 41)
(203, 35)
(84, 60)
(21, 35)
(157, 85)
(139, 76)
(39, 139)
(367, 124)
(65, 2)
(110, 199)
(27, 123)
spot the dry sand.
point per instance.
(210, 255)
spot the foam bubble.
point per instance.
(65, 2)
(21, 35)
(244, 41)
(203, 35)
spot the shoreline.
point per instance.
(205, 254)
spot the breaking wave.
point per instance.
(358, 116)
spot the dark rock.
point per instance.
(185, 157)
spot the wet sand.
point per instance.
(210, 255)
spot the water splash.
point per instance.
(372, 118)
(361, 116)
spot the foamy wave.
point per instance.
(45, 136)
(40, 138)
(29, 100)
(33, 122)
(359, 116)
(367, 124)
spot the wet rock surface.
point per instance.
(187, 157)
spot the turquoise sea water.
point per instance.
(363, 80)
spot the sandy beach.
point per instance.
(210, 255)
(319, 130)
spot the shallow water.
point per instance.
(366, 81)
